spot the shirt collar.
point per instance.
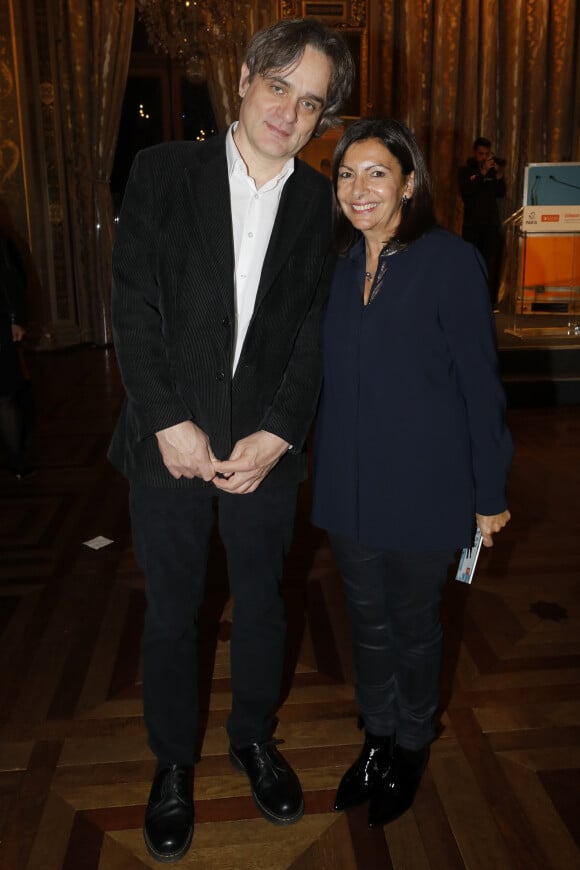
(357, 251)
(236, 163)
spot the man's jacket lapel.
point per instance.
(291, 215)
(209, 201)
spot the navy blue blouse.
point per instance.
(411, 437)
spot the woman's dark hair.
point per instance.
(418, 213)
(281, 46)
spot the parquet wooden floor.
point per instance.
(502, 789)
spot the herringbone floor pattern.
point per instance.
(502, 789)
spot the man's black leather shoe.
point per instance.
(275, 787)
(399, 788)
(366, 774)
(169, 815)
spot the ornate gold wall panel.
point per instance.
(63, 326)
(350, 17)
(348, 13)
(33, 177)
(10, 156)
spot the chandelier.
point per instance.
(188, 30)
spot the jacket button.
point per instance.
(226, 321)
(220, 376)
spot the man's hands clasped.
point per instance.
(186, 452)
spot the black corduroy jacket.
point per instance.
(174, 316)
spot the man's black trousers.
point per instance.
(171, 534)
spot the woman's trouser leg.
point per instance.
(171, 532)
(362, 571)
(256, 530)
(417, 581)
(393, 600)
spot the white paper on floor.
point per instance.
(98, 542)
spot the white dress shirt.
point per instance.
(253, 214)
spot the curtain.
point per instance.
(240, 19)
(223, 65)
(457, 69)
(93, 53)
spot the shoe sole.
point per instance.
(173, 856)
(268, 814)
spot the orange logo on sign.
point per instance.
(550, 218)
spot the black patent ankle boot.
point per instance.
(365, 775)
(398, 789)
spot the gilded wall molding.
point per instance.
(350, 17)
(345, 13)
(32, 172)
(10, 147)
(62, 327)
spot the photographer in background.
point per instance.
(482, 183)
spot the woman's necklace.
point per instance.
(371, 260)
(388, 248)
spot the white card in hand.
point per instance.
(466, 567)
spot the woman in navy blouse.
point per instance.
(412, 446)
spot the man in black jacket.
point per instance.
(221, 270)
(482, 184)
